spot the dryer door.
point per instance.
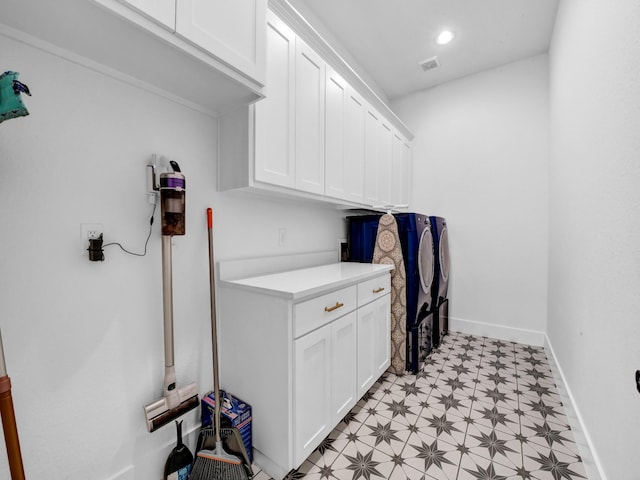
(445, 262)
(426, 262)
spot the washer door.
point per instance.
(426, 263)
(444, 255)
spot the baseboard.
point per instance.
(501, 332)
(581, 436)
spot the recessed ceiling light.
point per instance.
(445, 37)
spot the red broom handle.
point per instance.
(9, 421)
(10, 430)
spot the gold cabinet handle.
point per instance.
(378, 290)
(335, 307)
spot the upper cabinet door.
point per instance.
(384, 163)
(274, 115)
(160, 11)
(354, 147)
(406, 174)
(400, 171)
(372, 127)
(232, 31)
(335, 132)
(309, 119)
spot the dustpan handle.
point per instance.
(214, 334)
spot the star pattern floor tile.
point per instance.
(479, 409)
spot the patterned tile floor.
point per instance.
(480, 409)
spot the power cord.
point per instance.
(153, 212)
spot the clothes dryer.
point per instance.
(440, 286)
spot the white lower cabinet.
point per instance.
(302, 350)
(373, 342)
(312, 391)
(344, 342)
(325, 385)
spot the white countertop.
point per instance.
(307, 282)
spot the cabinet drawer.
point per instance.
(321, 310)
(374, 288)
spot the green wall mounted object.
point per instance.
(11, 105)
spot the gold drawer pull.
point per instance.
(335, 307)
(378, 290)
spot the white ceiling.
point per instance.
(389, 37)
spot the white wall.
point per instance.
(594, 261)
(83, 340)
(480, 159)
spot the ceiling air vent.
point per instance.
(429, 63)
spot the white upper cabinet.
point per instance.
(335, 133)
(354, 159)
(382, 182)
(309, 119)
(400, 166)
(160, 11)
(233, 31)
(274, 115)
(405, 182)
(316, 135)
(372, 130)
(344, 140)
(384, 162)
(136, 40)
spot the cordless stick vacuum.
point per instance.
(175, 401)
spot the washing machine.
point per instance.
(440, 284)
(418, 251)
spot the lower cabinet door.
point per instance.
(382, 336)
(312, 392)
(374, 342)
(343, 366)
(366, 321)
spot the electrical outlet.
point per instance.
(282, 237)
(89, 231)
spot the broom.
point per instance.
(216, 464)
